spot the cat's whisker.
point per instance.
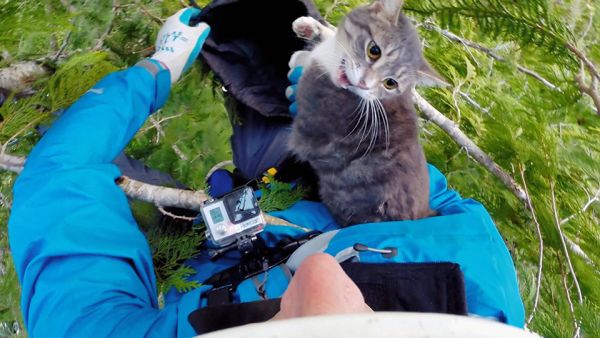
(386, 123)
(357, 117)
(365, 129)
(372, 127)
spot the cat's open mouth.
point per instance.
(342, 77)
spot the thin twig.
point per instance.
(564, 245)
(589, 203)
(165, 212)
(474, 45)
(158, 122)
(474, 103)
(538, 230)
(109, 27)
(154, 18)
(432, 114)
(576, 323)
(179, 153)
(14, 136)
(62, 47)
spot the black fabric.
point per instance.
(409, 287)
(248, 50)
(215, 318)
(418, 287)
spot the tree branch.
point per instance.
(591, 90)
(432, 114)
(18, 76)
(11, 163)
(159, 196)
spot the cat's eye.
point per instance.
(390, 83)
(373, 51)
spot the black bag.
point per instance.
(248, 50)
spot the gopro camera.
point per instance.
(235, 216)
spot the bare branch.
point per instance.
(11, 163)
(474, 45)
(162, 196)
(564, 245)
(538, 230)
(462, 140)
(18, 76)
(584, 59)
(591, 90)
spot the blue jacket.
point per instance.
(86, 269)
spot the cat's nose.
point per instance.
(362, 84)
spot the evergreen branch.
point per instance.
(538, 229)
(526, 21)
(464, 141)
(474, 45)
(564, 245)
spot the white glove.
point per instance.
(178, 44)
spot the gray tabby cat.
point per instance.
(356, 123)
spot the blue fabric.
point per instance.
(84, 266)
(220, 183)
(86, 269)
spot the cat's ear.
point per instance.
(429, 77)
(390, 9)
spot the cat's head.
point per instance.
(379, 52)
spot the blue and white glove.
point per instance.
(178, 44)
(290, 92)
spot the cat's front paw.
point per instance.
(307, 28)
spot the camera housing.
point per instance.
(232, 217)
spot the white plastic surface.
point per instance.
(377, 324)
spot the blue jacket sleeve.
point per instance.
(84, 266)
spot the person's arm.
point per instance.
(84, 266)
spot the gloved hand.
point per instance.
(178, 44)
(290, 92)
